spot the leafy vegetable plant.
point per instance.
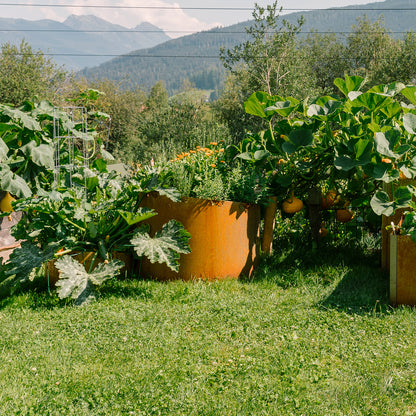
(104, 218)
(355, 144)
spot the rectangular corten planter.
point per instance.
(402, 270)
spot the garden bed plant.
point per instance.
(212, 172)
(349, 147)
(103, 218)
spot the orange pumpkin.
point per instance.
(292, 205)
(323, 232)
(344, 215)
(329, 199)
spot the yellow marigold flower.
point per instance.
(213, 143)
(213, 165)
(222, 150)
(186, 154)
(192, 151)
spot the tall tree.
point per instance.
(372, 51)
(268, 60)
(325, 55)
(26, 73)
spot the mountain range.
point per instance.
(196, 57)
(94, 38)
(145, 54)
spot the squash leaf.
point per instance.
(165, 247)
(4, 149)
(25, 259)
(74, 281)
(41, 155)
(13, 183)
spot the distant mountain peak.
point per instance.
(147, 26)
(88, 21)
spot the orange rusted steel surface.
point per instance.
(402, 270)
(395, 218)
(225, 238)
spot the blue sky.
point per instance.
(179, 18)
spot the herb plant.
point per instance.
(214, 173)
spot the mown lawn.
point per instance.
(311, 334)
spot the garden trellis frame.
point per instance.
(72, 144)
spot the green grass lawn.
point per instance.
(311, 334)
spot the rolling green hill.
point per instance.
(196, 57)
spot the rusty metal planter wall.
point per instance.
(225, 238)
(402, 270)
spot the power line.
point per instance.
(103, 6)
(208, 32)
(133, 55)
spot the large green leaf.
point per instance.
(25, 119)
(171, 193)
(409, 123)
(384, 146)
(25, 259)
(13, 183)
(4, 150)
(74, 281)
(257, 103)
(372, 101)
(165, 247)
(41, 155)
(133, 218)
(349, 84)
(410, 93)
(388, 89)
(382, 205)
(391, 109)
(283, 108)
(298, 138)
(44, 108)
(322, 111)
(361, 155)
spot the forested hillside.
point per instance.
(196, 57)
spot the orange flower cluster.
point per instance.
(200, 153)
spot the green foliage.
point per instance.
(26, 155)
(269, 56)
(25, 74)
(101, 218)
(165, 247)
(214, 173)
(353, 144)
(119, 132)
(174, 128)
(76, 283)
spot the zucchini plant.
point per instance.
(104, 216)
